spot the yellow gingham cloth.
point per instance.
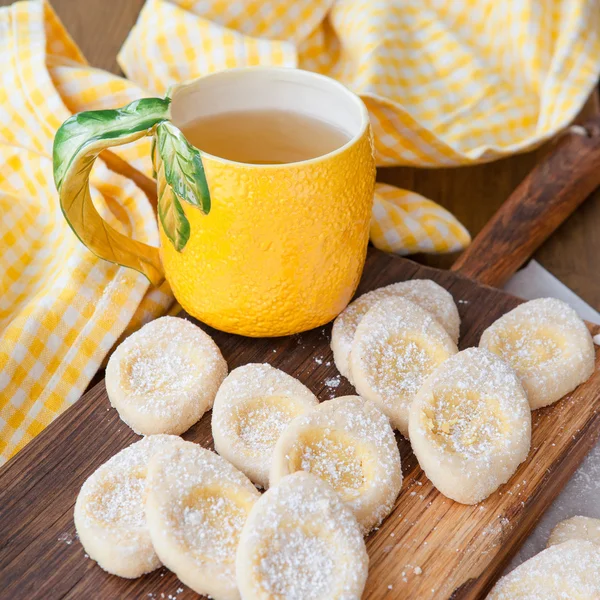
(61, 308)
(446, 83)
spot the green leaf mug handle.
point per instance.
(177, 164)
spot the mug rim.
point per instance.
(362, 109)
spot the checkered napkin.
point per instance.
(61, 308)
(446, 83)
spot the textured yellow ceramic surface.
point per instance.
(283, 247)
(252, 249)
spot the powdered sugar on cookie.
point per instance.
(253, 406)
(396, 346)
(349, 443)
(425, 293)
(163, 378)
(470, 425)
(547, 344)
(301, 542)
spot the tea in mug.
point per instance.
(264, 136)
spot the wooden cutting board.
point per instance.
(429, 547)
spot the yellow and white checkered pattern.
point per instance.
(61, 308)
(446, 83)
(404, 222)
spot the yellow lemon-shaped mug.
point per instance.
(252, 249)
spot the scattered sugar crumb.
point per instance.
(333, 382)
(418, 570)
(390, 587)
(319, 360)
(66, 537)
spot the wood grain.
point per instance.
(460, 549)
(99, 27)
(557, 185)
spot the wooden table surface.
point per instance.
(471, 193)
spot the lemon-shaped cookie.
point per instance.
(397, 344)
(470, 425)
(301, 542)
(109, 512)
(349, 443)
(165, 376)
(423, 292)
(547, 344)
(253, 406)
(196, 506)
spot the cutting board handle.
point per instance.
(548, 195)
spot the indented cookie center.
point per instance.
(120, 501)
(527, 347)
(297, 564)
(399, 365)
(335, 457)
(464, 422)
(260, 421)
(211, 519)
(164, 369)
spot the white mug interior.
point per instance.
(270, 88)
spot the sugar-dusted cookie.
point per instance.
(567, 571)
(349, 443)
(301, 542)
(423, 292)
(253, 406)
(396, 346)
(196, 506)
(575, 528)
(470, 425)
(547, 344)
(109, 512)
(165, 376)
